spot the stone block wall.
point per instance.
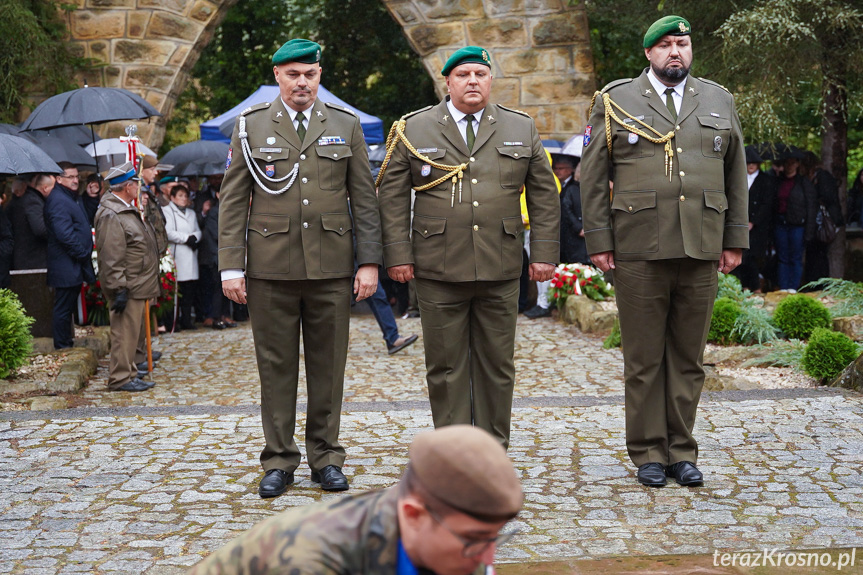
(541, 59)
(146, 46)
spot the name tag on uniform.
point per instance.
(426, 150)
(714, 114)
(513, 143)
(330, 140)
(271, 150)
(634, 118)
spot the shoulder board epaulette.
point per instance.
(712, 83)
(514, 110)
(339, 108)
(616, 83)
(415, 112)
(255, 108)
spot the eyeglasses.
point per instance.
(474, 547)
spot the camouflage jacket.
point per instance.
(353, 534)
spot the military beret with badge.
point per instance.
(467, 55)
(673, 25)
(298, 50)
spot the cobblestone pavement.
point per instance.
(149, 483)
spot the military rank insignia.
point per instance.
(228, 161)
(270, 170)
(587, 131)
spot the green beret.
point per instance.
(298, 50)
(674, 25)
(467, 55)
(467, 469)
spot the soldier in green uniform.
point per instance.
(673, 146)
(443, 518)
(286, 248)
(468, 160)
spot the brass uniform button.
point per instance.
(475, 228)
(476, 204)
(682, 198)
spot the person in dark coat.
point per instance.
(92, 196)
(70, 251)
(795, 209)
(572, 246)
(7, 244)
(824, 259)
(28, 225)
(761, 197)
(208, 261)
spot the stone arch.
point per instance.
(540, 49)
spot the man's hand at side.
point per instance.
(403, 273)
(235, 290)
(603, 260)
(366, 282)
(540, 272)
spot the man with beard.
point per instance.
(673, 146)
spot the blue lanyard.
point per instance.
(404, 566)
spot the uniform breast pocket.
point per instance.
(713, 221)
(514, 162)
(333, 165)
(337, 243)
(715, 133)
(429, 243)
(273, 162)
(635, 222)
(422, 172)
(268, 243)
(627, 145)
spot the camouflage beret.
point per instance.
(298, 50)
(468, 470)
(674, 25)
(467, 55)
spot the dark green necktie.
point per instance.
(471, 136)
(669, 101)
(301, 129)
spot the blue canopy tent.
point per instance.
(221, 127)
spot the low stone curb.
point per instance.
(587, 315)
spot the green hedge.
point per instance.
(15, 334)
(799, 315)
(828, 353)
(725, 313)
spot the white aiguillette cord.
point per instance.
(255, 170)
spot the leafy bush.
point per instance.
(729, 287)
(847, 294)
(613, 339)
(725, 314)
(753, 325)
(828, 353)
(15, 334)
(782, 353)
(798, 315)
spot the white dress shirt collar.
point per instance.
(660, 88)
(293, 113)
(459, 118)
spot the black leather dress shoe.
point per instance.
(651, 474)
(143, 366)
(331, 478)
(274, 483)
(135, 384)
(157, 355)
(685, 473)
(537, 312)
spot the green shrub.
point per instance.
(725, 314)
(848, 295)
(828, 353)
(780, 353)
(15, 334)
(729, 287)
(753, 325)
(613, 339)
(798, 315)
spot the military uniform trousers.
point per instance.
(665, 308)
(279, 309)
(125, 328)
(469, 338)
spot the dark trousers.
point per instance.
(188, 291)
(383, 313)
(279, 311)
(207, 284)
(469, 335)
(665, 308)
(220, 306)
(65, 305)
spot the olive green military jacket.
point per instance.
(479, 235)
(697, 212)
(126, 249)
(305, 232)
(349, 535)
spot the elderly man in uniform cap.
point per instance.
(678, 212)
(443, 518)
(128, 257)
(468, 160)
(291, 256)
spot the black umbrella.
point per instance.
(78, 135)
(13, 130)
(19, 156)
(198, 158)
(63, 150)
(88, 106)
